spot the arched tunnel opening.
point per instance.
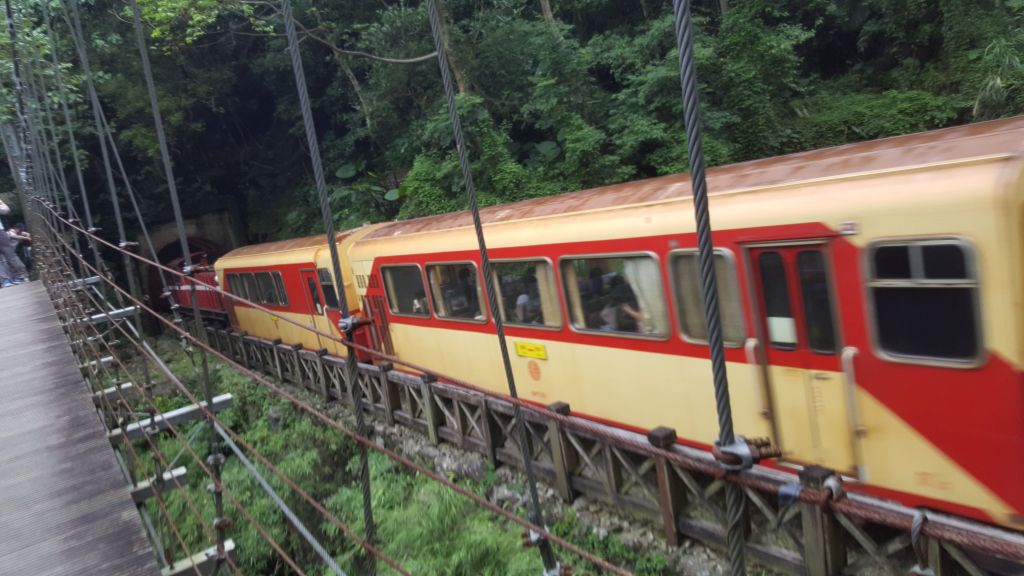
(171, 256)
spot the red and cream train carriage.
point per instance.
(870, 298)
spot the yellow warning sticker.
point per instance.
(531, 350)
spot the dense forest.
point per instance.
(556, 95)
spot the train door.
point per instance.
(317, 310)
(797, 324)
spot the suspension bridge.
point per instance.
(80, 444)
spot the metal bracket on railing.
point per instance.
(743, 453)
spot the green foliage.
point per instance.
(587, 99)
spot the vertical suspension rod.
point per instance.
(216, 458)
(24, 180)
(536, 514)
(72, 142)
(735, 500)
(129, 266)
(347, 324)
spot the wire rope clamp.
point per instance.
(533, 538)
(347, 324)
(215, 459)
(744, 453)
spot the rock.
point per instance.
(507, 498)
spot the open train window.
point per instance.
(267, 289)
(282, 294)
(404, 287)
(455, 291)
(616, 294)
(527, 293)
(327, 285)
(925, 301)
(690, 299)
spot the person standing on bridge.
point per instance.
(12, 269)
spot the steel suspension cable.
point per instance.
(216, 457)
(551, 566)
(223, 430)
(72, 141)
(69, 128)
(76, 329)
(130, 192)
(403, 461)
(152, 407)
(735, 499)
(347, 323)
(56, 164)
(22, 179)
(78, 39)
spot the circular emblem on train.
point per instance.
(534, 369)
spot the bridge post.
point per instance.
(671, 490)
(321, 377)
(388, 392)
(277, 359)
(563, 456)
(493, 437)
(824, 550)
(429, 407)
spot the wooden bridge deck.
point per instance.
(65, 506)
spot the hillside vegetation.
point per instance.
(556, 95)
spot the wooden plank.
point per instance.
(65, 507)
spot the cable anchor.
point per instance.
(744, 453)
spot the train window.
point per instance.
(817, 300)
(620, 294)
(252, 291)
(267, 289)
(404, 287)
(314, 296)
(233, 287)
(775, 289)
(282, 294)
(691, 300)
(327, 285)
(455, 291)
(892, 262)
(932, 313)
(527, 293)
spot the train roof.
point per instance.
(996, 137)
(283, 245)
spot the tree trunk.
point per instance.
(545, 8)
(453, 60)
(364, 106)
(723, 7)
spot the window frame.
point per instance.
(423, 282)
(282, 292)
(833, 300)
(631, 254)
(232, 283)
(558, 295)
(973, 283)
(734, 263)
(259, 285)
(481, 292)
(320, 272)
(252, 291)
